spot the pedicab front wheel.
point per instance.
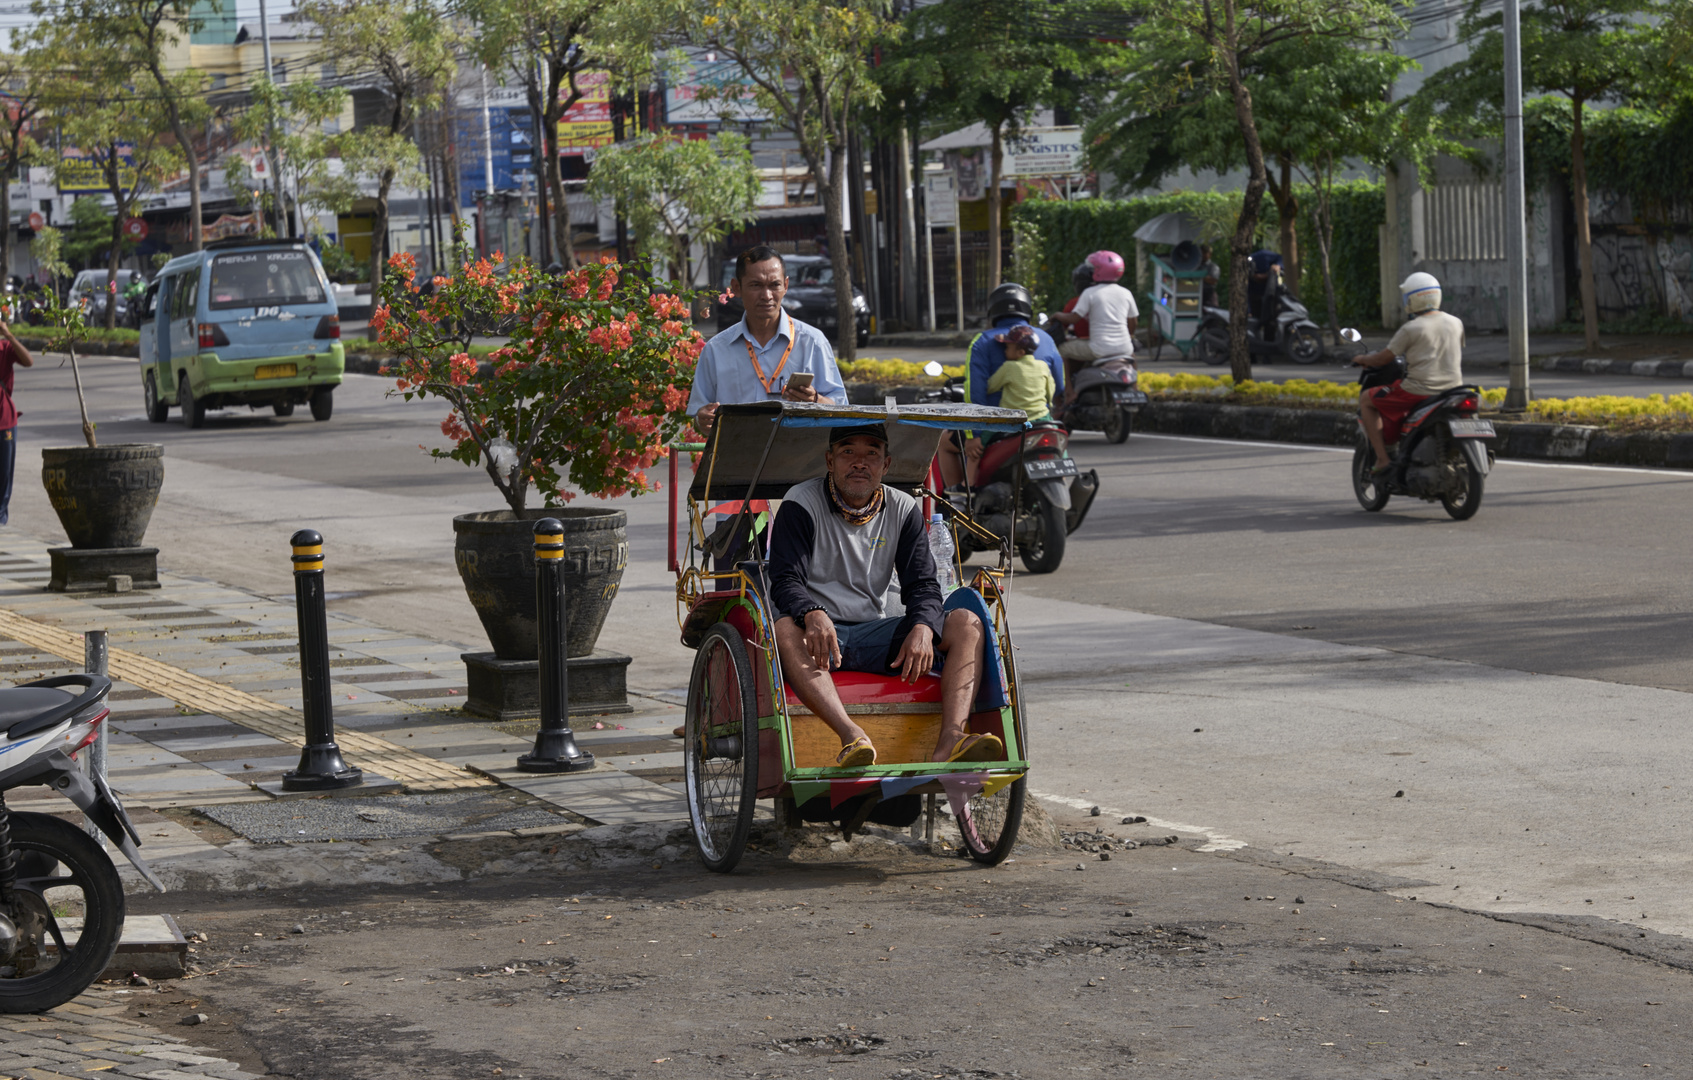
(989, 824)
(721, 758)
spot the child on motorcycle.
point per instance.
(1024, 381)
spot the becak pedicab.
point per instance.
(748, 736)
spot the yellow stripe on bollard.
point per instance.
(549, 545)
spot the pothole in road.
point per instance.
(830, 1045)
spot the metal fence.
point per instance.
(974, 257)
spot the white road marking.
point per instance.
(1665, 473)
(1214, 840)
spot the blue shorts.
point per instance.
(869, 646)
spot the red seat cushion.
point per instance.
(863, 688)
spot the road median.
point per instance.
(1522, 440)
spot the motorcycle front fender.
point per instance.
(1477, 453)
(100, 806)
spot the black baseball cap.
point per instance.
(875, 431)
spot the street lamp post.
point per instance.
(1516, 226)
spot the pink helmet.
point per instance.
(1107, 265)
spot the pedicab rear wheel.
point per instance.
(721, 756)
(990, 824)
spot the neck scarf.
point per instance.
(854, 517)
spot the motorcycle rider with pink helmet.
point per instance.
(1111, 315)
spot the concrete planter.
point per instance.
(104, 496)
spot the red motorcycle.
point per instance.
(1028, 488)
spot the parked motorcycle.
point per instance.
(1039, 512)
(61, 900)
(1296, 336)
(1442, 455)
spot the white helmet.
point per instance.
(1421, 292)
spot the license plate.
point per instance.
(1050, 468)
(275, 371)
(1471, 429)
(1129, 397)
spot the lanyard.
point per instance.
(759, 370)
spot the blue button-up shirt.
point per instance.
(725, 375)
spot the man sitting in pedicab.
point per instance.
(835, 546)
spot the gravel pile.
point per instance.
(378, 818)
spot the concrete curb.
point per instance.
(1325, 427)
(1662, 369)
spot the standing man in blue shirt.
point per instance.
(756, 359)
(1009, 305)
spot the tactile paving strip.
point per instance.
(418, 772)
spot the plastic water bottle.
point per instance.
(940, 546)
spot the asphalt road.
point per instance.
(1522, 677)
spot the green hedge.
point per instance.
(1052, 237)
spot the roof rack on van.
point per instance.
(250, 241)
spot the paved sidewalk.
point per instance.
(90, 1037)
(206, 704)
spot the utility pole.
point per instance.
(1516, 228)
(270, 151)
(487, 166)
(907, 276)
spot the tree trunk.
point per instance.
(114, 259)
(1240, 246)
(1325, 244)
(6, 229)
(196, 227)
(1287, 210)
(1583, 229)
(830, 191)
(998, 162)
(379, 237)
(563, 248)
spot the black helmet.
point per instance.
(1081, 278)
(1010, 299)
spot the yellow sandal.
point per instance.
(856, 754)
(978, 748)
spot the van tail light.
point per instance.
(1044, 439)
(1468, 405)
(329, 327)
(212, 335)
(92, 730)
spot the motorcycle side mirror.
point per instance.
(933, 369)
(1350, 336)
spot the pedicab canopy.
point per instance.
(769, 446)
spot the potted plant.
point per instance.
(104, 495)
(588, 389)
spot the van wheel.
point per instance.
(193, 412)
(323, 402)
(157, 411)
(282, 408)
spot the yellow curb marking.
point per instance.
(418, 772)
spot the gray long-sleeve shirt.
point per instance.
(818, 559)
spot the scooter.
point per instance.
(1442, 454)
(1040, 506)
(1104, 397)
(52, 947)
(1296, 336)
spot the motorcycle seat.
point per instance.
(24, 710)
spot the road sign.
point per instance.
(1051, 151)
(941, 189)
(135, 228)
(259, 165)
(37, 221)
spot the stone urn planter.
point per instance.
(495, 553)
(104, 496)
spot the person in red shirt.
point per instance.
(12, 355)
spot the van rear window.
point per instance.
(264, 279)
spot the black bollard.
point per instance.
(555, 744)
(321, 767)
